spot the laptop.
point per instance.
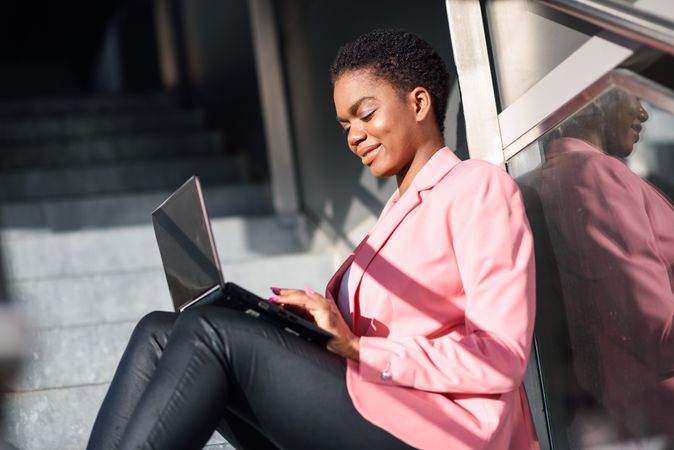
(192, 267)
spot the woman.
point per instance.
(432, 314)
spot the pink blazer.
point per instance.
(442, 293)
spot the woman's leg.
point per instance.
(133, 373)
(135, 369)
(220, 362)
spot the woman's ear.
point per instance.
(422, 103)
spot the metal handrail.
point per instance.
(636, 24)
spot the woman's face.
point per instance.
(624, 118)
(378, 121)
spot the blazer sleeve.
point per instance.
(494, 251)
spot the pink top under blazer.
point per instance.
(442, 294)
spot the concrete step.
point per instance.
(84, 342)
(33, 255)
(119, 177)
(111, 149)
(108, 104)
(28, 77)
(110, 298)
(83, 126)
(57, 418)
(71, 357)
(29, 218)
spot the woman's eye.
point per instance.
(368, 116)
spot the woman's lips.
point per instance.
(370, 155)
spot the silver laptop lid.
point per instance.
(186, 245)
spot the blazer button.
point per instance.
(386, 375)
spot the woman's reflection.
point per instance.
(613, 237)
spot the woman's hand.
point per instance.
(326, 315)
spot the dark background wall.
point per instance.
(335, 187)
(48, 48)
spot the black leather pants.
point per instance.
(184, 375)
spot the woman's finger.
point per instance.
(283, 291)
(298, 298)
(289, 291)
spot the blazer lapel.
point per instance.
(374, 242)
(393, 214)
(383, 230)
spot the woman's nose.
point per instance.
(356, 136)
(643, 114)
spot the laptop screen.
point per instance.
(186, 245)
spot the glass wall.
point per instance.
(527, 41)
(598, 190)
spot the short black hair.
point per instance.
(403, 59)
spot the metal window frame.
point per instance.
(529, 117)
(594, 59)
(471, 58)
(635, 84)
(640, 25)
(497, 137)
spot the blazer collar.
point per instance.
(430, 174)
(435, 169)
(397, 208)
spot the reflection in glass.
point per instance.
(606, 253)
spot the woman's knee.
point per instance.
(215, 324)
(201, 318)
(153, 324)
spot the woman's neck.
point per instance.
(423, 154)
(593, 137)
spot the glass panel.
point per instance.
(527, 41)
(598, 190)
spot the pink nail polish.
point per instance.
(275, 290)
(309, 291)
(274, 298)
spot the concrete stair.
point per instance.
(108, 104)
(124, 176)
(81, 126)
(81, 258)
(140, 146)
(72, 147)
(83, 301)
(31, 217)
